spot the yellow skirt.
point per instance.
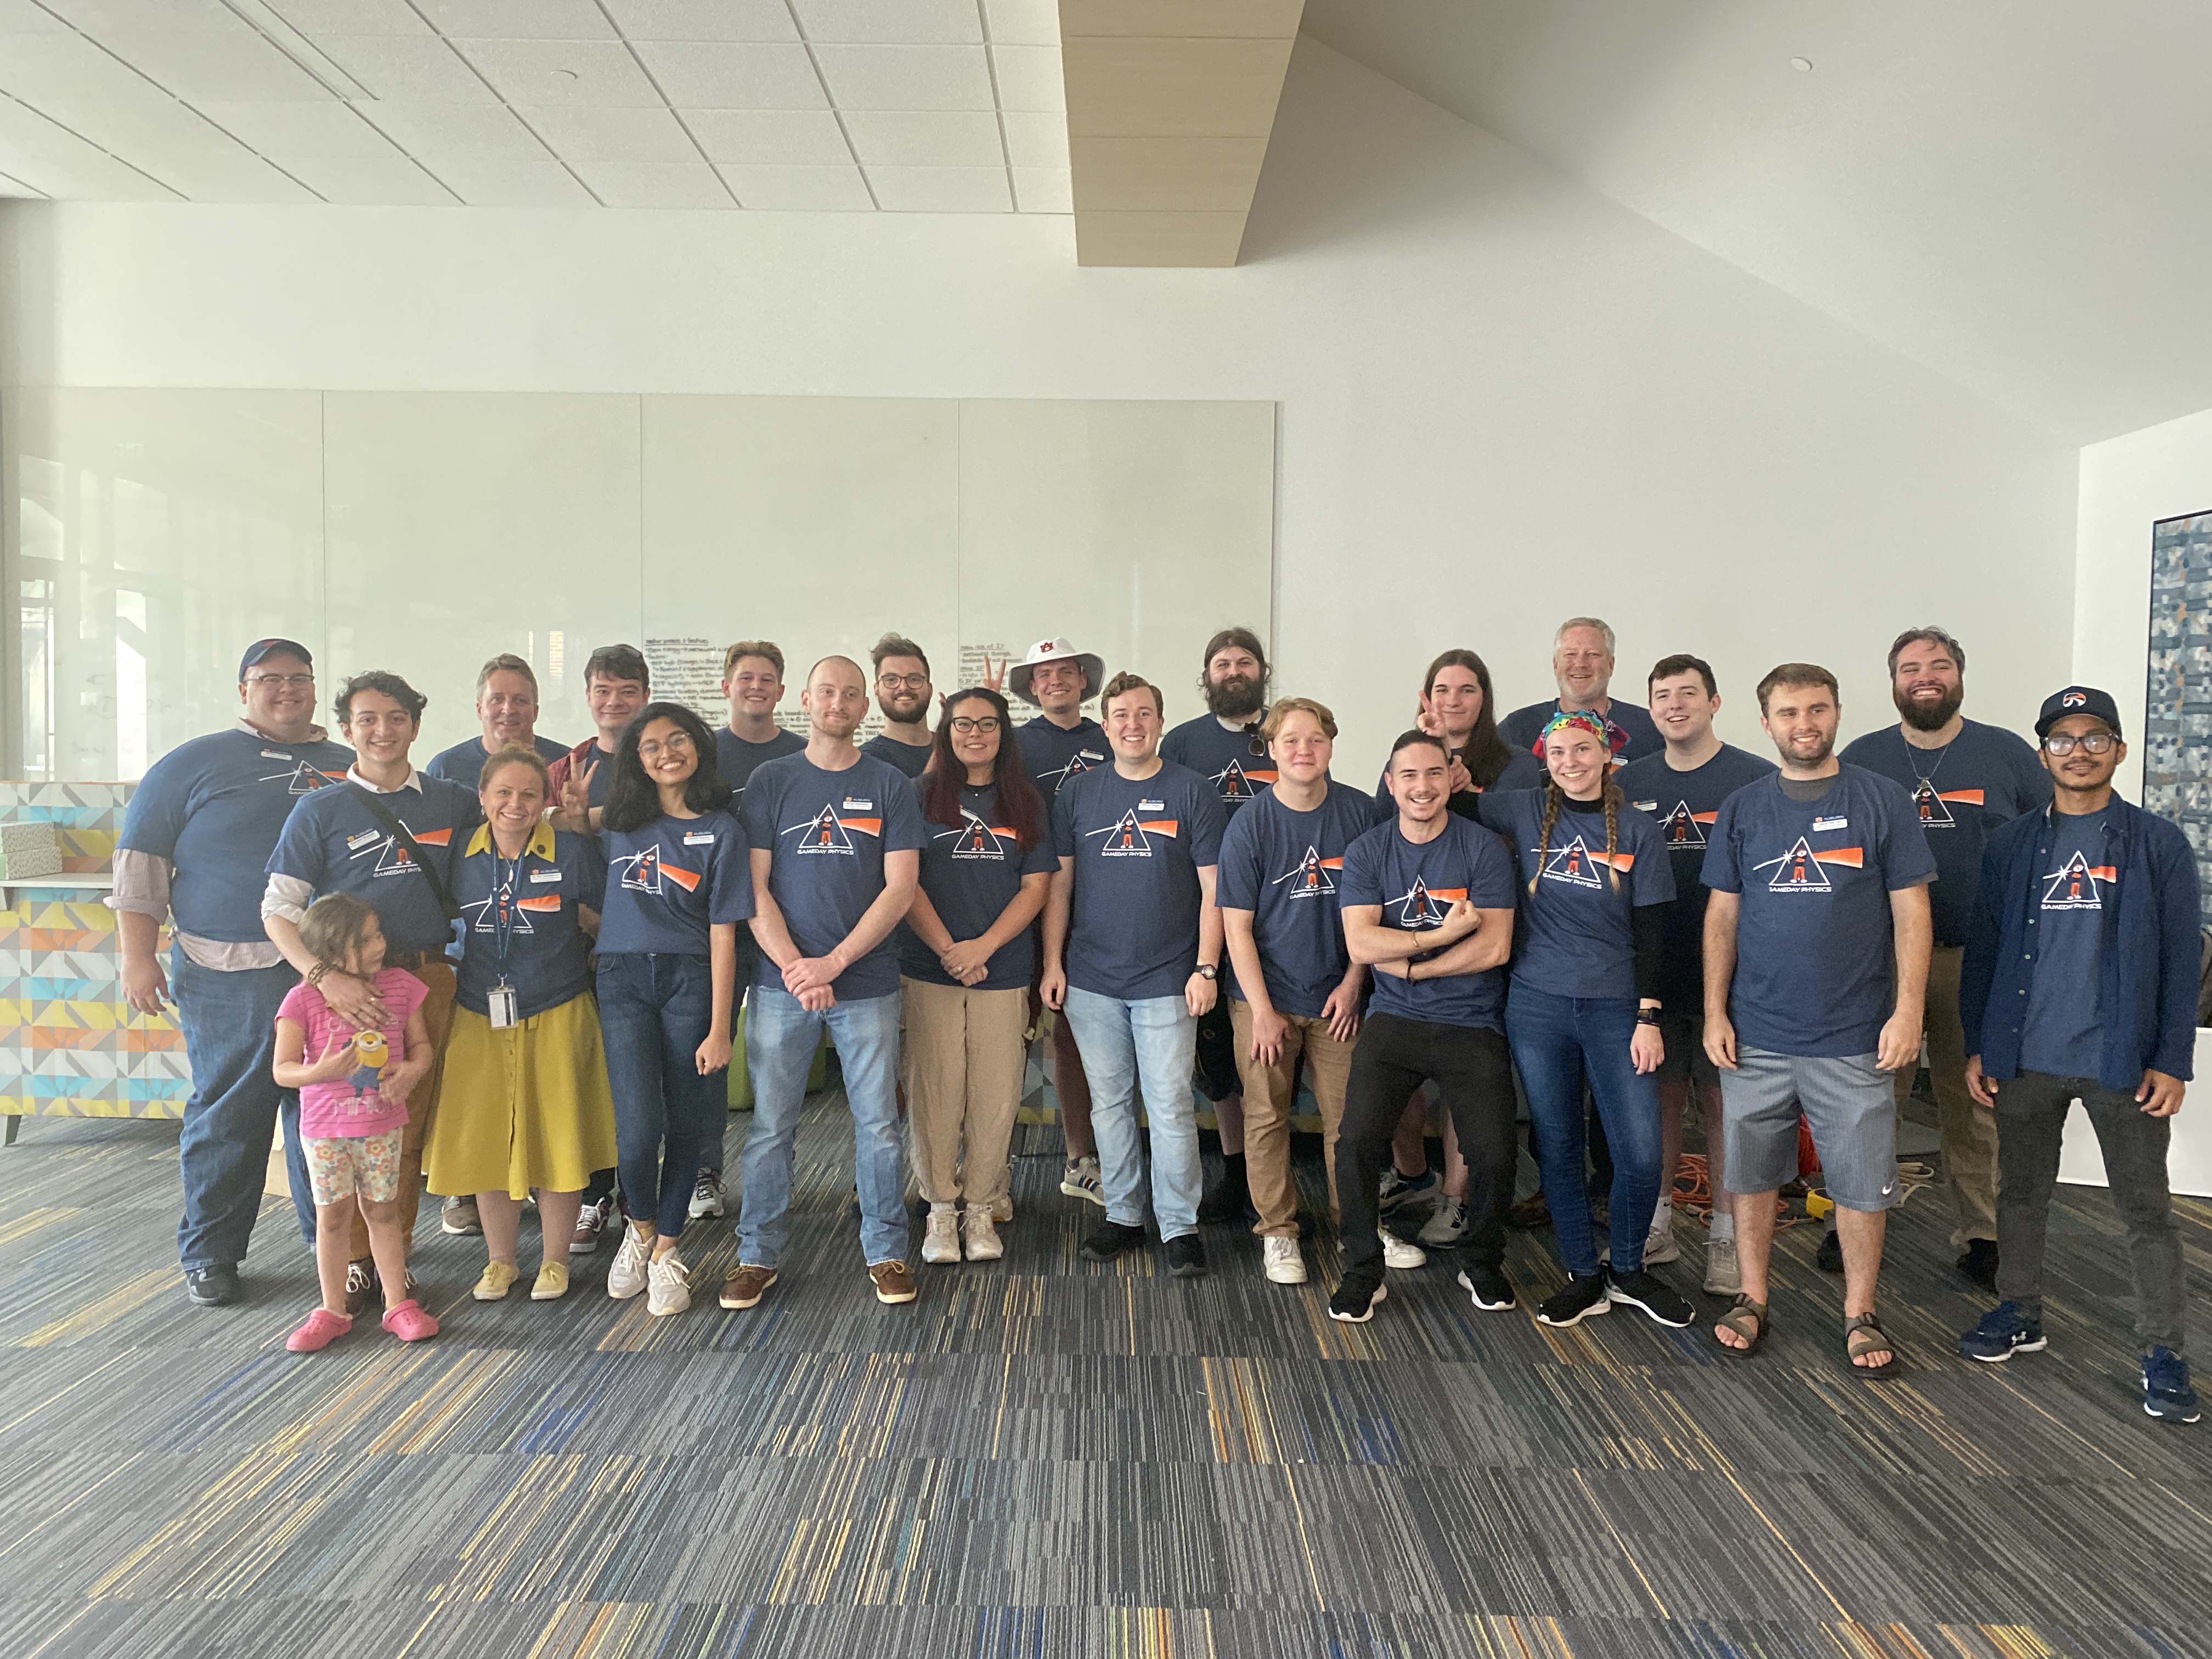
(522, 1108)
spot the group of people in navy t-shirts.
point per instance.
(518, 974)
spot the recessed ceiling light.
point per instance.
(1802, 65)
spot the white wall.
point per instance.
(1504, 398)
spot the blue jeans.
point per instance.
(1150, 1043)
(230, 1022)
(1557, 1043)
(655, 1009)
(781, 1038)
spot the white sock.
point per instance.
(1664, 1216)
(1723, 1227)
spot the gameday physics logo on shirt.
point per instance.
(392, 859)
(1236, 782)
(832, 829)
(1802, 870)
(1130, 837)
(1423, 907)
(641, 872)
(301, 780)
(1681, 827)
(2078, 884)
(1310, 877)
(1577, 864)
(975, 839)
(1935, 808)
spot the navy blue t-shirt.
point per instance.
(911, 758)
(829, 832)
(519, 918)
(1684, 805)
(737, 759)
(1417, 885)
(334, 843)
(214, 807)
(1521, 772)
(971, 871)
(1223, 758)
(1138, 847)
(1815, 974)
(1053, 756)
(1984, 777)
(463, 762)
(1629, 729)
(1285, 867)
(1575, 935)
(2062, 1037)
(670, 884)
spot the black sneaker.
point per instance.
(1980, 1263)
(362, 1290)
(1583, 1296)
(2003, 1333)
(1109, 1239)
(1829, 1258)
(1355, 1304)
(215, 1285)
(1186, 1257)
(1648, 1291)
(1225, 1203)
(1492, 1291)
(2166, 1393)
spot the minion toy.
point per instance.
(371, 1051)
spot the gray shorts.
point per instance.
(1687, 1060)
(1848, 1102)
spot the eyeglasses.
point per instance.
(2091, 743)
(964, 726)
(287, 682)
(903, 682)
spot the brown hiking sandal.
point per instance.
(745, 1287)
(894, 1284)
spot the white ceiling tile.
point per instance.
(224, 66)
(949, 23)
(770, 137)
(22, 17)
(1029, 77)
(1034, 139)
(926, 139)
(387, 181)
(720, 74)
(612, 135)
(483, 182)
(1043, 190)
(600, 73)
(941, 190)
(101, 18)
(47, 156)
(437, 132)
(704, 20)
(655, 184)
(237, 177)
(906, 77)
(408, 68)
(320, 17)
(284, 130)
(518, 20)
(146, 128)
(16, 190)
(37, 67)
(1024, 22)
(800, 189)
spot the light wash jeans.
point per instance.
(781, 1038)
(1149, 1043)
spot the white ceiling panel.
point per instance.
(438, 132)
(22, 17)
(15, 189)
(234, 67)
(284, 131)
(408, 68)
(941, 190)
(316, 18)
(1024, 22)
(239, 176)
(36, 67)
(593, 72)
(725, 74)
(483, 182)
(49, 157)
(1028, 78)
(959, 139)
(101, 18)
(1034, 139)
(704, 20)
(1043, 190)
(944, 23)
(656, 184)
(804, 190)
(907, 77)
(612, 135)
(151, 124)
(784, 137)
(518, 20)
(387, 181)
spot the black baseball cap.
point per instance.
(260, 649)
(2078, 700)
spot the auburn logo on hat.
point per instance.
(2073, 699)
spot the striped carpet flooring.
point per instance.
(1049, 1457)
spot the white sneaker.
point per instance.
(1659, 1244)
(1080, 1179)
(632, 1263)
(1397, 1253)
(1447, 1225)
(1284, 1264)
(705, 1196)
(1722, 1276)
(668, 1289)
(979, 1226)
(941, 1241)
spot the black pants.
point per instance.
(1473, 1068)
(1216, 1052)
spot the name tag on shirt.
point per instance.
(545, 875)
(851, 805)
(1645, 806)
(364, 839)
(1832, 823)
(272, 754)
(1151, 806)
(698, 838)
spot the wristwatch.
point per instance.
(1206, 971)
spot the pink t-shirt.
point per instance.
(351, 1108)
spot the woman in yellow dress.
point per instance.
(523, 1103)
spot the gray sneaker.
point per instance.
(1722, 1276)
(1447, 1225)
(1659, 1243)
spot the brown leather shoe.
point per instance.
(894, 1284)
(745, 1287)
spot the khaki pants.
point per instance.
(437, 978)
(1267, 1112)
(964, 1076)
(1970, 1133)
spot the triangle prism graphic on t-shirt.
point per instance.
(1423, 907)
(1800, 870)
(641, 872)
(972, 838)
(1236, 782)
(301, 780)
(1310, 877)
(1683, 828)
(1574, 863)
(1129, 836)
(486, 911)
(2078, 885)
(824, 832)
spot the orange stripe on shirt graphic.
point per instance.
(1963, 797)
(1159, 826)
(687, 879)
(1853, 856)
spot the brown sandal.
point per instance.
(1863, 1334)
(1746, 1319)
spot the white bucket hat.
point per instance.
(1044, 650)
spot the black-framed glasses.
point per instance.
(2060, 744)
(963, 724)
(904, 682)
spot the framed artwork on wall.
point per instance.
(2177, 736)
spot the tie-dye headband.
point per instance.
(1580, 719)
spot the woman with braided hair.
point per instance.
(1584, 1005)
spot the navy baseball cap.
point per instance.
(260, 649)
(2078, 700)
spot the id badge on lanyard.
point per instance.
(500, 1000)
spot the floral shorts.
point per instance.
(340, 1167)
